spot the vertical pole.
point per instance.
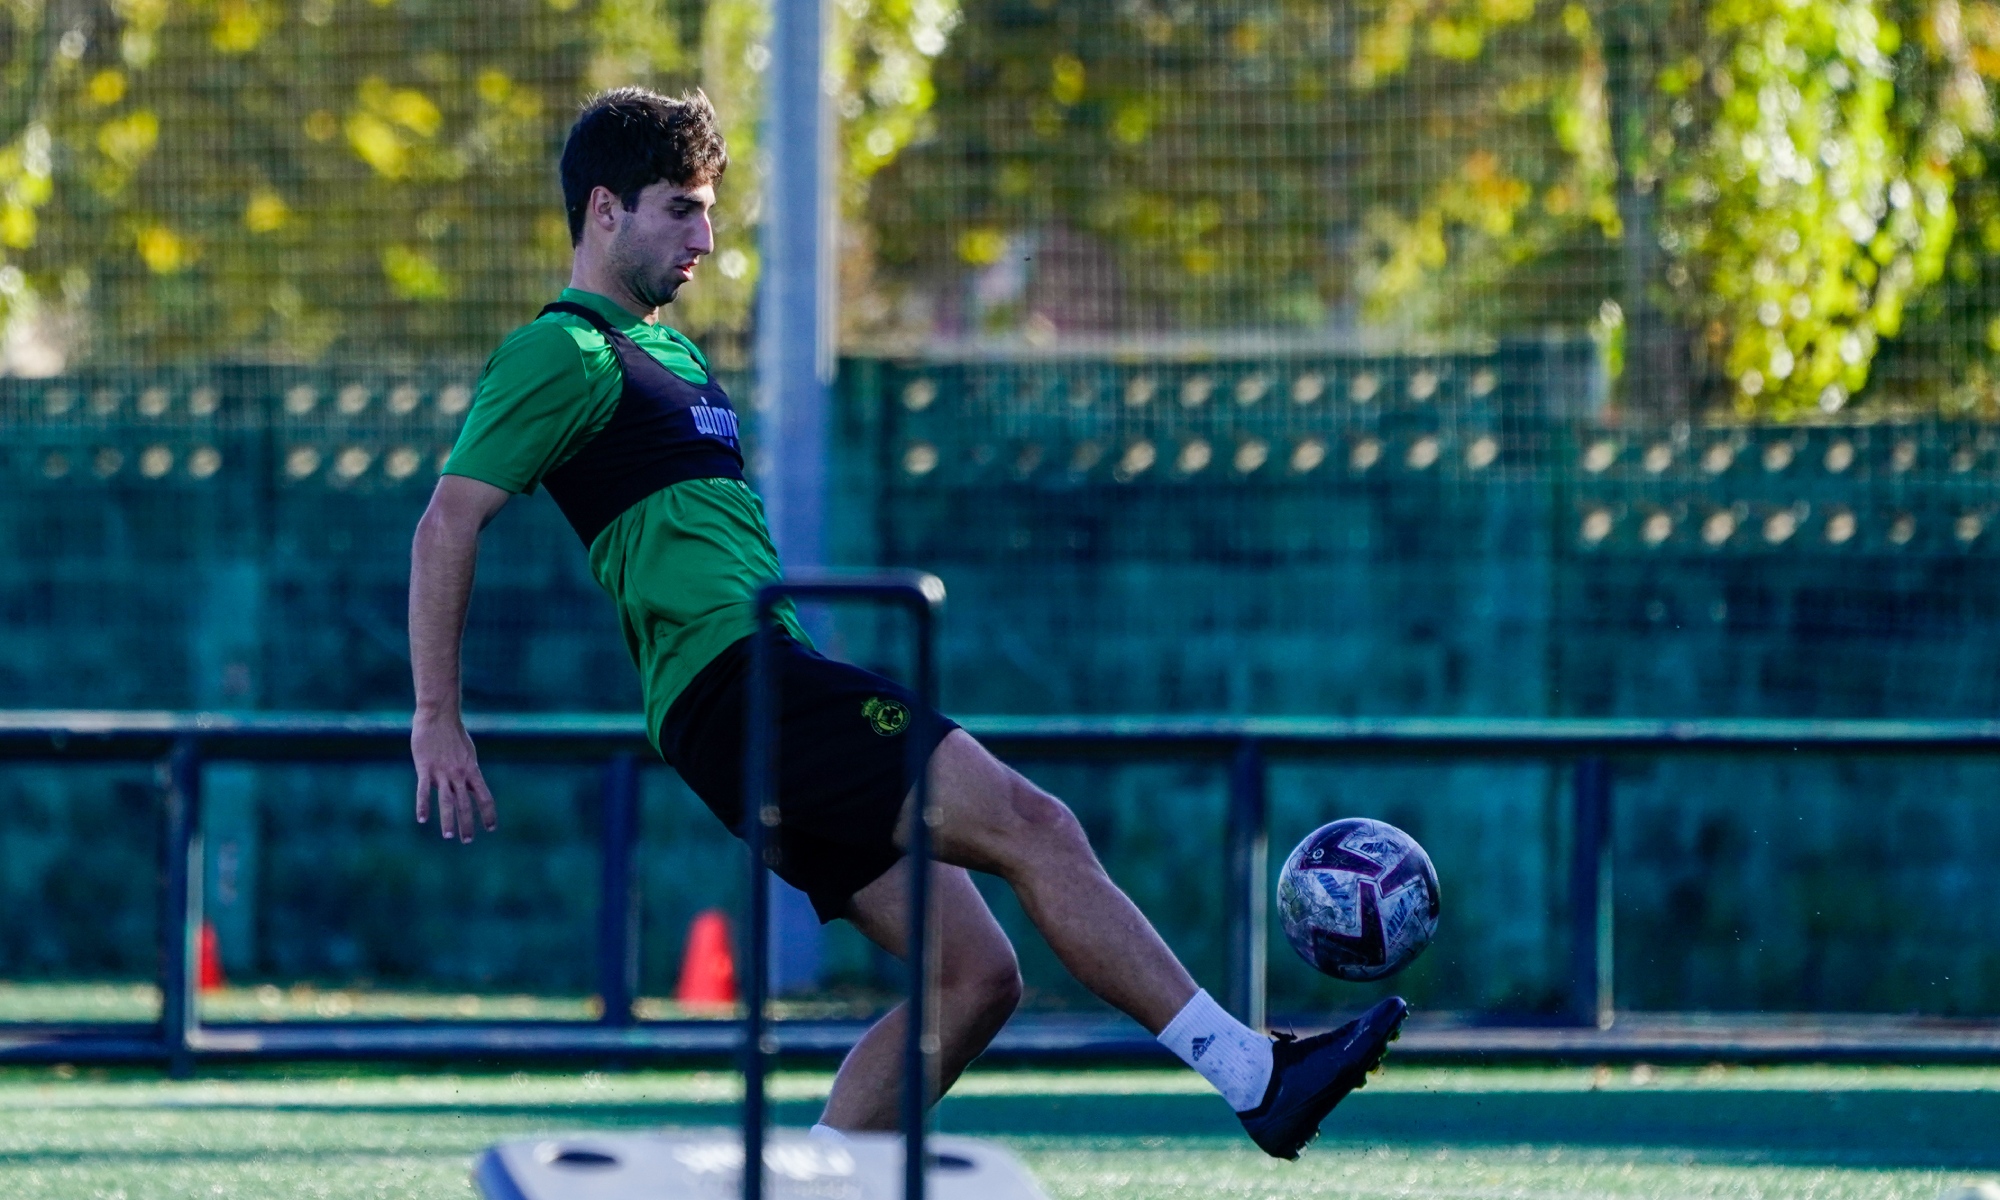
(920, 1045)
(1592, 999)
(180, 908)
(794, 360)
(1656, 378)
(760, 816)
(794, 351)
(618, 904)
(1249, 865)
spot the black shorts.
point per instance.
(842, 763)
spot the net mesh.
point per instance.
(1759, 208)
(1756, 208)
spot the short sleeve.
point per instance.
(534, 407)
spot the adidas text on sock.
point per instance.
(1226, 1052)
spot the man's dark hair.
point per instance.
(629, 138)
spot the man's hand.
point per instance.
(442, 558)
(448, 765)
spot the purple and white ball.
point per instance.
(1359, 899)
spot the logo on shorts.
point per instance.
(886, 717)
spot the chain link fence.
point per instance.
(1753, 208)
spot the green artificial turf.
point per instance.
(1825, 1133)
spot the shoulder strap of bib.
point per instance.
(572, 309)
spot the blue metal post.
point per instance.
(922, 595)
(920, 1043)
(1249, 866)
(1592, 999)
(760, 817)
(618, 903)
(180, 907)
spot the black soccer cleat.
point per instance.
(1311, 1075)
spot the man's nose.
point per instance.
(702, 238)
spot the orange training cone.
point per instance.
(708, 968)
(209, 968)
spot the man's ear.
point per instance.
(602, 210)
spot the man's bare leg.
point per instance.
(979, 985)
(991, 819)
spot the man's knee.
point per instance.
(1000, 989)
(988, 980)
(1037, 818)
(1000, 822)
(1025, 831)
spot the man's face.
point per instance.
(656, 244)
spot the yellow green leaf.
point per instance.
(164, 251)
(376, 143)
(266, 212)
(414, 274)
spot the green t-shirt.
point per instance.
(684, 564)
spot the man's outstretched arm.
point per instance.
(442, 558)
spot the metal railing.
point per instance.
(184, 743)
(918, 596)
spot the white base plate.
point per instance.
(708, 1165)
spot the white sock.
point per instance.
(827, 1133)
(1227, 1053)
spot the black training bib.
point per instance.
(664, 431)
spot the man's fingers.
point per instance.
(447, 809)
(463, 802)
(489, 813)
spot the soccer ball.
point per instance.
(1359, 899)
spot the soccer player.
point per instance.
(619, 418)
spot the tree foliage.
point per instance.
(1388, 169)
(1793, 194)
(256, 179)
(1775, 186)
(1812, 153)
